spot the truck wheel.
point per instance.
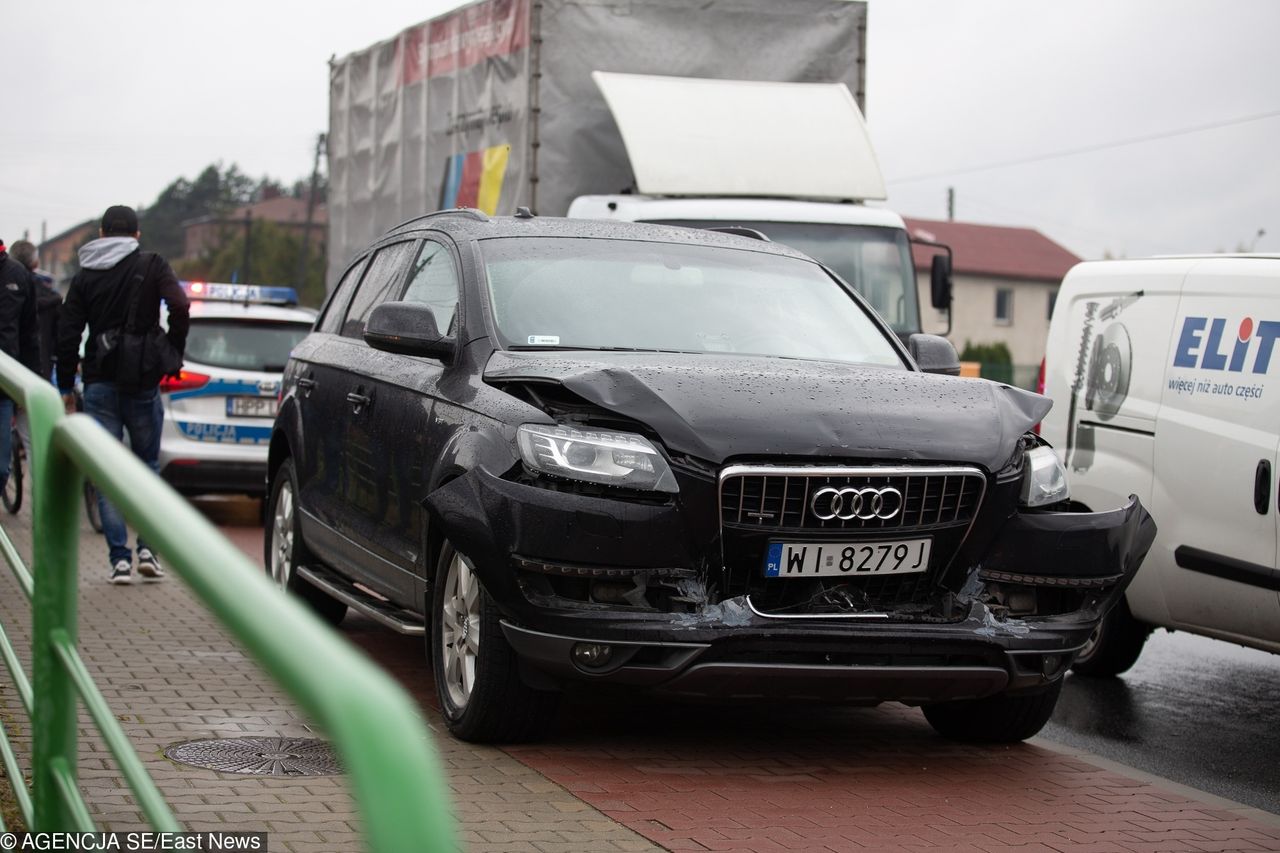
(995, 719)
(285, 550)
(477, 675)
(1114, 645)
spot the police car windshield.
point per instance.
(243, 344)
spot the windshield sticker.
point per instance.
(544, 340)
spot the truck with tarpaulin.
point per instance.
(743, 113)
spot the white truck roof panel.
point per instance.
(697, 136)
(638, 208)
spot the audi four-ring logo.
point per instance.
(848, 504)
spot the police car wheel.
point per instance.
(285, 550)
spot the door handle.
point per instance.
(358, 400)
(1262, 487)
(307, 385)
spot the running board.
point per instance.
(383, 612)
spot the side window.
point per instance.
(433, 281)
(337, 306)
(1004, 306)
(386, 272)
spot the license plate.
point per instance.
(251, 407)
(846, 559)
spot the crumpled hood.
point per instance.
(717, 407)
(105, 252)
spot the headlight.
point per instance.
(1044, 480)
(596, 456)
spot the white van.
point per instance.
(1160, 371)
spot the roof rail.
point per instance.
(741, 231)
(478, 215)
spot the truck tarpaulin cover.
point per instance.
(493, 105)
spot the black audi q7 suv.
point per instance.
(679, 460)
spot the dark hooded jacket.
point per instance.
(19, 336)
(99, 296)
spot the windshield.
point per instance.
(572, 293)
(243, 344)
(876, 261)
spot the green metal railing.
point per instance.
(375, 727)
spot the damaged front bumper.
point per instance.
(1014, 622)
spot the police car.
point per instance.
(219, 409)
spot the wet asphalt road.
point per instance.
(1201, 712)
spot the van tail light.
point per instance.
(1039, 390)
(186, 380)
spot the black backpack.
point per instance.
(136, 359)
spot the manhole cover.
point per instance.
(259, 756)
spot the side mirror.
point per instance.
(940, 282)
(408, 328)
(934, 354)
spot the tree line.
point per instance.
(274, 251)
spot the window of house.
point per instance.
(1004, 306)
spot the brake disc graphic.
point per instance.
(1109, 371)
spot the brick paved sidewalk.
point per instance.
(620, 773)
(171, 674)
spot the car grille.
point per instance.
(783, 501)
(761, 503)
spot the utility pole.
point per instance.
(951, 204)
(311, 210)
(248, 241)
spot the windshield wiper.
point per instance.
(527, 348)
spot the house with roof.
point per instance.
(1005, 285)
(57, 254)
(208, 233)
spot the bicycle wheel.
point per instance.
(91, 507)
(12, 495)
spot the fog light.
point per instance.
(1053, 664)
(592, 655)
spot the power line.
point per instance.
(1089, 148)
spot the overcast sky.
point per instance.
(109, 103)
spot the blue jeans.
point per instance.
(143, 416)
(6, 439)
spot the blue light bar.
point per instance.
(256, 293)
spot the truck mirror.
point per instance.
(940, 282)
(934, 354)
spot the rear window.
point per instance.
(244, 344)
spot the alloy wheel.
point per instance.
(282, 536)
(460, 630)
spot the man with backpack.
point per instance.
(117, 292)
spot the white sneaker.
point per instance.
(122, 572)
(148, 566)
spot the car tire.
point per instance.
(1114, 646)
(284, 550)
(477, 674)
(995, 719)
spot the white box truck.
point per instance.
(650, 110)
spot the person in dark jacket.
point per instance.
(116, 279)
(19, 338)
(48, 302)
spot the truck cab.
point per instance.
(867, 247)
